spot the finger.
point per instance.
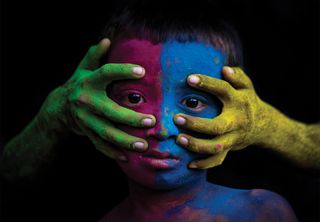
(216, 126)
(237, 78)
(209, 162)
(112, 111)
(208, 146)
(111, 71)
(108, 132)
(92, 58)
(222, 89)
(103, 146)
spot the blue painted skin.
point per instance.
(178, 61)
(186, 195)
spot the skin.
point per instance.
(246, 120)
(66, 110)
(79, 106)
(172, 191)
(161, 99)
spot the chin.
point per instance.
(176, 179)
(162, 179)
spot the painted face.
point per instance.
(163, 92)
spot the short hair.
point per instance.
(164, 21)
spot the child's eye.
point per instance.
(194, 104)
(134, 99)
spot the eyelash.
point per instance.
(183, 103)
(202, 101)
(126, 100)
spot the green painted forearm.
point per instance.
(33, 148)
(298, 141)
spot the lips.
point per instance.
(159, 155)
(159, 160)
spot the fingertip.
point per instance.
(179, 119)
(122, 158)
(183, 140)
(227, 70)
(193, 165)
(139, 146)
(197, 165)
(103, 47)
(105, 42)
(193, 79)
(139, 71)
(148, 121)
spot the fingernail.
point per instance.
(105, 41)
(192, 166)
(122, 158)
(138, 70)
(183, 141)
(180, 120)
(193, 79)
(147, 122)
(228, 70)
(139, 146)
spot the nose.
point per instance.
(164, 127)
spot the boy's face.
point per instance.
(163, 92)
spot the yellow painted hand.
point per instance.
(241, 123)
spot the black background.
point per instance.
(41, 45)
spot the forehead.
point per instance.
(171, 58)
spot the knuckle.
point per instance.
(216, 129)
(224, 84)
(238, 71)
(244, 100)
(73, 97)
(104, 133)
(249, 82)
(193, 145)
(83, 81)
(81, 98)
(91, 50)
(220, 161)
(78, 97)
(212, 149)
(79, 116)
(106, 68)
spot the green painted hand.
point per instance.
(82, 106)
(241, 123)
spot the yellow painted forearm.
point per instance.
(246, 120)
(297, 141)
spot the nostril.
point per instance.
(160, 134)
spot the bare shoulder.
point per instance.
(255, 205)
(269, 206)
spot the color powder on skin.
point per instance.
(162, 187)
(164, 90)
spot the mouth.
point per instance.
(159, 160)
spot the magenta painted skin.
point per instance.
(164, 165)
(162, 188)
(148, 57)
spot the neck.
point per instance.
(144, 199)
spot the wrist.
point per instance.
(278, 130)
(51, 117)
